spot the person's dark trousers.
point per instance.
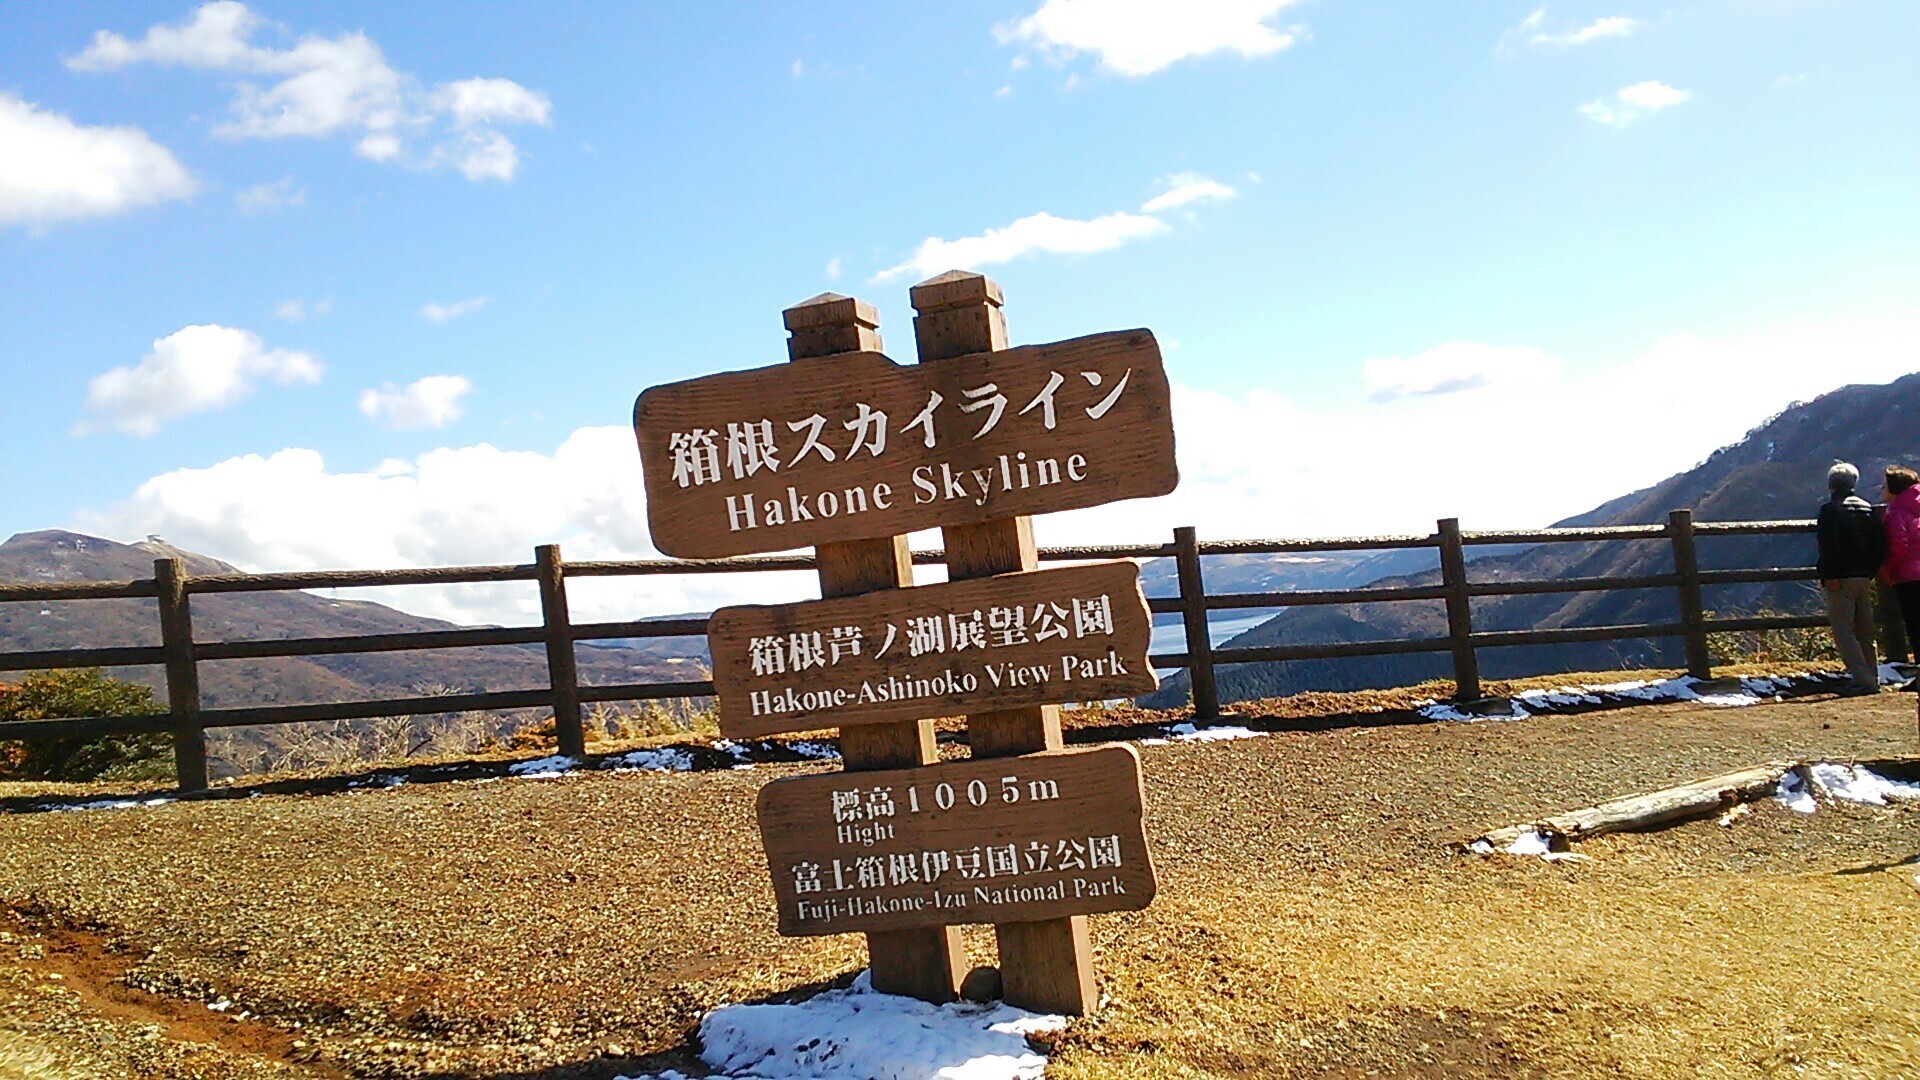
(1907, 595)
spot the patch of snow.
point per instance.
(815, 749)
(1859, 784)
(666, 759)
(1559, 697)
(1531, 842)
(1190, 733)
(106, 804)
(545, 768)
(1481, 847)
(1738, 811)
(1890, 674)
(857, 1034)
(1793, 793)
(1440, 710)
(728, 746)
(390, 780)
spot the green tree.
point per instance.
(46, 695)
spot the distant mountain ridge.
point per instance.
(1778, 470)
(57, 555)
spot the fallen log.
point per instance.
(1697, 799)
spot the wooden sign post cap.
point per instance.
(955, 288)
(830, 324)
(830, 309)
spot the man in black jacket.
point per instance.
(1852, 543)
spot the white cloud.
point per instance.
(1640, 99)
(833, 269)
(1516, 452)
(296, 310)
(1186, 188)
(484, 101)
(1140, 37)
(1651, 95)
(1512, 453)
(1532, 33)
(1456, 367)
(439, 313)
(448, 507)
(432, 402)
(52, 169)
(339, 85)
(191, 370)
(1042, 232)
(278, 195)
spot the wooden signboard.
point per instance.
(1077, 633)
(797, 455)
(1000, 840)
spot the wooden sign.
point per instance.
(1077, 633)
(1001, 840)
(800, 454)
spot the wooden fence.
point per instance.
(180, 653)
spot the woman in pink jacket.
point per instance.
(1902, 568)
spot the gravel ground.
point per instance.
(1312, 919)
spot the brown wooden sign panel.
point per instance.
(1076, 633)
(856, 446)
(1013, 839)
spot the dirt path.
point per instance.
(1311, 919)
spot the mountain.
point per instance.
(54, 555)
(1778, 470)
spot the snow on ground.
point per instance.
(544, 768)
(666, 759)
(857, 1034)
(1186, 732)
(1753, 690)
(105, 804)
(1859, 784)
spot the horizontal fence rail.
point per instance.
(180, 653)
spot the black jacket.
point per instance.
(1852, 540)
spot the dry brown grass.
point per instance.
(1311, 920)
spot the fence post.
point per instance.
(1693, 618)
(1453, 577)
(183, 675)
(1193, 611)
(562, 675)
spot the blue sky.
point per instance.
(347, 284)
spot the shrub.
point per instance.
(46, 695)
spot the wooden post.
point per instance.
(1044, 966)
(183, 676)
(1453, 577)
(1193, 598)
(922, 963)
(563, 679)
(1686, 566)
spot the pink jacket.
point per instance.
(1903, 537)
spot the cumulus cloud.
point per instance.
(298, 310)
(432, 402)
(453, 506)
(1184, 189)
(263, 198)
(1042, 232)
(321, 86)
(1455, 367)
(1632, 102)
(191, 370)
(1510, 452)
(1532, 32)
(1140, 37)
(439, 313)
(1045, 233)
(52, 169)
